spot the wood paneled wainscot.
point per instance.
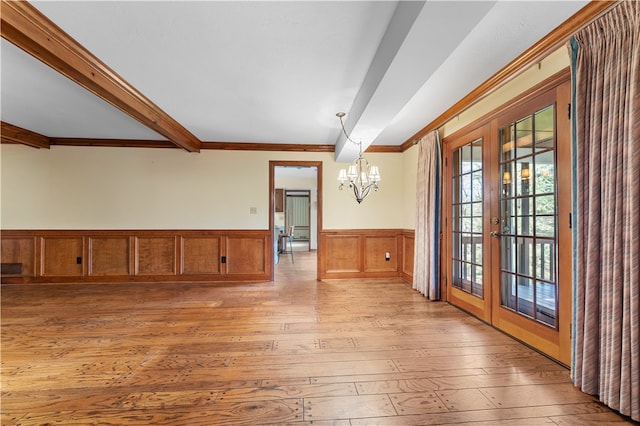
(18, 255)
(162, 255)
(364, 253)
(110, 256)
(62, 256)
(408, 245)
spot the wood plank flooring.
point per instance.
(295, 351)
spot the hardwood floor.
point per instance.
(295, 351)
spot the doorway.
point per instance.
(295, 189)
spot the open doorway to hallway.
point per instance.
(295, 215)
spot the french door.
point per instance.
(507, 227)
(469, 200)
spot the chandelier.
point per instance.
(361, 176)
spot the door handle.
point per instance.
(495, 234)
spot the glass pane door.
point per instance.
(468, 204)
(528, 281)
(506, 226)
(467, 214)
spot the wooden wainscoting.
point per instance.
(408, 244)
(18, 255)
(361, 253)
(159, 255)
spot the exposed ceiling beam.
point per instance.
(14, 134)
(412, 49)
(535, 53)
(31, 31)
(360, 127)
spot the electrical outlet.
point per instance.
(78, 260)
(387, 256)
(223, 259)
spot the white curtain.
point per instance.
(426, 262)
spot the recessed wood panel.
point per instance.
(408, 242)
(200, 255)
(375, 252)
(109, 256)
(62, 256)
(156, 255)
(19, 252)
(246, 255)
(343, 253)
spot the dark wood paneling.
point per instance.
(62, 256)
(109, 256)
(156, 255)
(20, 251)
(246, 255)
(375, 249)
(200, 255)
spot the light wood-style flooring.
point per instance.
(295, 351)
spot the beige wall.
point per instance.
(119, 188)
(535, 74)
(133, 188)
(555, 62)
(410, 167)
(382, 209)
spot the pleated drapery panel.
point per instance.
(426, 262)
(606, 77)
(298, 208)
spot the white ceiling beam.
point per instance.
(420, 37)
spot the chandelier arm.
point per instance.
(356, 193)
(362, 192)
(367, 190)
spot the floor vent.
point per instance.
(11, 268)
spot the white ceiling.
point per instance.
(299, 172)
(276, 72)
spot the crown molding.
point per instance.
(531, 56)
(14, 134)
